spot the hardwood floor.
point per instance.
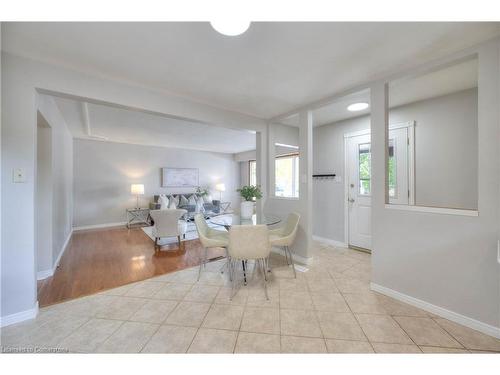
(102, 259)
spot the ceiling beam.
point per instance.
(86, 119)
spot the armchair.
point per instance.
(167, 223)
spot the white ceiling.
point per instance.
(449, 79)
(271, 69)
(131, 126)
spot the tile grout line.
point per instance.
(159, 326)
(407, 334)
(315, 311)
(201, 323)
(449, 333)
(357, 321)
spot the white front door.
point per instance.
(359, 190)
(358, 176)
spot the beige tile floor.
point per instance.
(329, 308)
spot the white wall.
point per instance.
(21, 78)
(448, 261)
(445, 151)
(62, 176)
(328, 195)
(104, 172)
(44, 196)
(244, 173)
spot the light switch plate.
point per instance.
(19, 175)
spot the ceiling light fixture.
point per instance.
(357, 107)
(230, 27)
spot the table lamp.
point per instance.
(220, 188)
(137, 189)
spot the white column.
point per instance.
(271, 156)
(261, 164)
(378, 123)
(304, 239)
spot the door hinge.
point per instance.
(408, 193)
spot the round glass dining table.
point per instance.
(229, 220)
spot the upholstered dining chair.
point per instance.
(248, 242)
(167, 223)
(209, 238)
(285, 236)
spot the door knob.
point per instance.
(350, 200)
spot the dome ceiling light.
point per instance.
(230, 27)
(357, 107)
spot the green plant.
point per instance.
(250, 192)
(202, 191)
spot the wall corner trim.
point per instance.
(329, 241)
(297, 258)
(19, 317)
(41, 275)
(440, 311)
(98, 226)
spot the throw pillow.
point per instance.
(176, 199)
(173, 203)
(163, 201)
(183, 201)
(192, 200)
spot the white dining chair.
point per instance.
(285, 236)
(167, 223)
(248, 242)
(209, 238)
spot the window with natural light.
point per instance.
(252, 172)
(365, 169)
(287, 176)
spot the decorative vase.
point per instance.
(247, 209)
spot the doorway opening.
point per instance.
(44, 198)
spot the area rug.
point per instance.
(191, 233)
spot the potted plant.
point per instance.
(202, 191)
(249, 194)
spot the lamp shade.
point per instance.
(220, 187)
(137, 189)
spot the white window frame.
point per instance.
(250, 162)
(295, 175)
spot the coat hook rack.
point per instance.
(324, 176)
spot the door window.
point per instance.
(365, 161)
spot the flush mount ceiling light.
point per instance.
(357, 107)
(230, 27)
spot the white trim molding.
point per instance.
(433, 210)
(40, 275)
(98, 226)
(297, 258)
(329, 241)
(19, 317)
(442, 312)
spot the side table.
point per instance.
(138, 216)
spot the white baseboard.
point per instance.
(328, 241)
(19, 317)
(98, 226)
(40, 275)
(297, 258)
(442, 312)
